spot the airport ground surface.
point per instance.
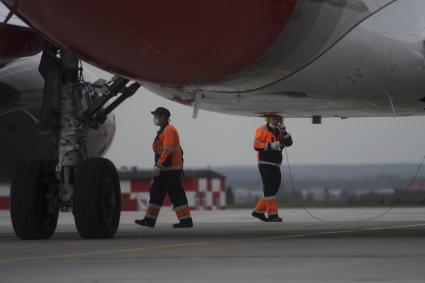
(228, 246)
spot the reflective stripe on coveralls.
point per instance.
(267, 205)
(182, 212)
(152, 211)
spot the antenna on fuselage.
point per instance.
(196, 105)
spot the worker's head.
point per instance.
(161, 116)
(274, 120)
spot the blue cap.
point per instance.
(162, 112)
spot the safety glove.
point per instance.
(275, 145)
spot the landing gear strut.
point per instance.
(88, 185)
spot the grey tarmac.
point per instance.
(228, 246)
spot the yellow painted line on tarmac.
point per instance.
(395, 227)
(194, 244)
(345, 231)
(107, 252)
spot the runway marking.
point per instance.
(194, 244)
(345, 231)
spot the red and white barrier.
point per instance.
(202, 194)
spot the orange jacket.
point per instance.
(168, 152)
(264, 136)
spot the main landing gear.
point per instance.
(69, 178)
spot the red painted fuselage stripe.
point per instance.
(169, 42)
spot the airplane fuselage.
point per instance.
(300, 58)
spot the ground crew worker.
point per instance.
(167, 173)
(269, 141)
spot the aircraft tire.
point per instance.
(97, 199)
(28, 202)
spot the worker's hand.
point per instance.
(286, 135)
(156, 171)
(285, 140)
(275, 145)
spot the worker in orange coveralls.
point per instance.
(167, 174)
(270, 139)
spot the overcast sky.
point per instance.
(219, 139)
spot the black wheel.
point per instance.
(97, 199)
(31, 217)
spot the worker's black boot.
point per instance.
(147, 222)
(259, 215)
(274, 218)
(184, 223)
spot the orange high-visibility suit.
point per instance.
(169, 158)
(269, 161)
(168, 152)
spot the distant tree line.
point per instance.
(287, 196)
(400, 197)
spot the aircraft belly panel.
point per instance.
(378, 65)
